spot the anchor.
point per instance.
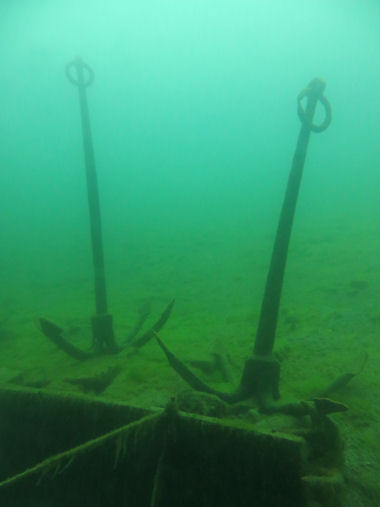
(261, 374)
(103, 339)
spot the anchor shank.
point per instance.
(270, 306)
(93, 197)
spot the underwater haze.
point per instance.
(194, 121)
(194, 125)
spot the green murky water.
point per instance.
(193, 113)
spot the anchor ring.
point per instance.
(73, 80)
(302, 115)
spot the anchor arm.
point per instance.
(189, 377)
(54, 333)
(157, 326)
(144, 312)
